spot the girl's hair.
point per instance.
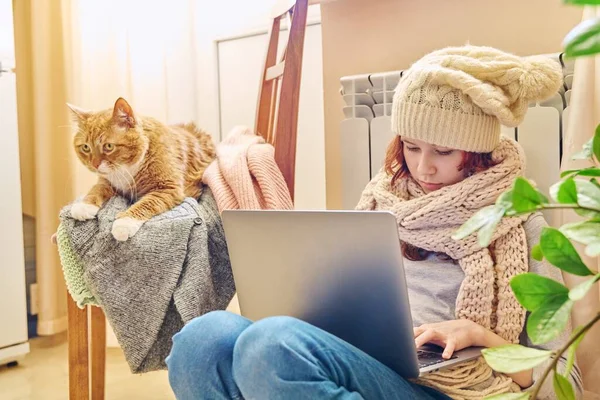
(395, 165)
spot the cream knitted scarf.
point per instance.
(485, 297)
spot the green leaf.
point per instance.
(487, 231)
(582, 2)
(505, 200)
(586, 153)
(559, 251)
(546, 322)
(536, 252)
(509, 396)
(593, 249)
(563, 388)
(578, 193)
(579, 291)
(479, 219)
(587, 213)
(564, 192)
(573, 349)
(590, 171)
(588, 194)
(586, 232)
(525, 197)
(596, 141)
(583, 39)
(533, 290)
(573, 172)
(513, 358)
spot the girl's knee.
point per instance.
(211, 336)
(201, 357)
(265, 341)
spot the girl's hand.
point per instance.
(451, 335)
(458, 334)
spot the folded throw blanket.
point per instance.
(245, 175)
(174, 269)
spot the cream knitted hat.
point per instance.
(458, 97)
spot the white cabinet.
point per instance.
(13, 309)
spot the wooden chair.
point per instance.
(279, 91)
(87, 352)
(276, 121)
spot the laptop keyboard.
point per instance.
(427, 358)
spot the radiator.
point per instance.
(365, 131)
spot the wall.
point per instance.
(369, 36)
(225, 19)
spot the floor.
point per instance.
(43, 374)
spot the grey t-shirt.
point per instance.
(433, 286)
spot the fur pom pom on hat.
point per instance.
(458, 97)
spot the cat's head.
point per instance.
(109, 139)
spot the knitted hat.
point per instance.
(458, 97)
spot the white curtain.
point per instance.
(144, 51)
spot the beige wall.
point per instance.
(361, 36)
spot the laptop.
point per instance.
(341, 271)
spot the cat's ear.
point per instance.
(123, 114)
(79, 114)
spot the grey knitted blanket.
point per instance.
(174, 269)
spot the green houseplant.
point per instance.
(550, 302)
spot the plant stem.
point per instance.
(565, 206)
(552, 366)
(555, 207)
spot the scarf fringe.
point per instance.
(469, 381)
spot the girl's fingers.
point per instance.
(418, 330)
(425, 337)
(449, 350)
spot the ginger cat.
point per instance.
(152, 164)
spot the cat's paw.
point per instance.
(124, 228)
(84, 211)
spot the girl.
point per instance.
(447, 162)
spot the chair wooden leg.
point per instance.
(98, 338)
(79, 383)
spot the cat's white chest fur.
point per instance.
(122, 178)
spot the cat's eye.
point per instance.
(109, 147)
(85, 148)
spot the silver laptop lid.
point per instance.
(338, 270)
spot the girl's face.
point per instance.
(433, 167)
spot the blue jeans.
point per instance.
(222, 355)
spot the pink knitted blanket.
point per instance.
(245, 176)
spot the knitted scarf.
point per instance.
(429, 220)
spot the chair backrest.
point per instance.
(279, 91)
